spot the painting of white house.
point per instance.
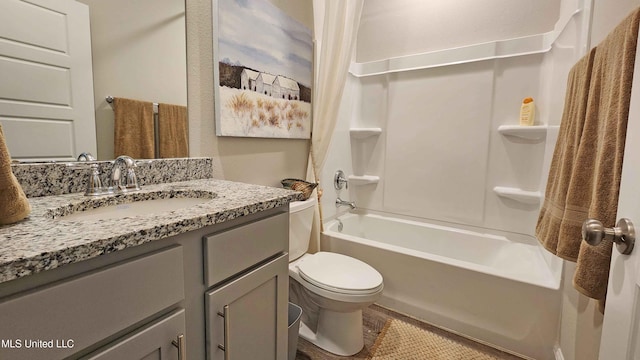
(264, 71)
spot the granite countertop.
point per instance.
(43, 241)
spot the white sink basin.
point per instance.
(136, 208)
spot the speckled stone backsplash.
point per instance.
(44, 179)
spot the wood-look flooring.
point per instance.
(374, 318)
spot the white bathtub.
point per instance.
(495, 289)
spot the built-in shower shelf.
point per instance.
(363, 179)
(363, 133)
(523, 196)
(536, 132)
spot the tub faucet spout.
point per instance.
(340, 202)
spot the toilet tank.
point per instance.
(300, 222)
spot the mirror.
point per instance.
(139, 52)
(57, 75)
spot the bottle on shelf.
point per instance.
(527, 112)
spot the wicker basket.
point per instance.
(299, 185)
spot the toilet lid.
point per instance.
(339, 273)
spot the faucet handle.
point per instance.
(94, 183)
(340, 179)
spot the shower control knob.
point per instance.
(624, 235)
(339, 180)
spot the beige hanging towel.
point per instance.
(14, 205)
(173, 131)
(558, 228)
(601, 149)
(133, 128)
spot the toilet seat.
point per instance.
(340, 274)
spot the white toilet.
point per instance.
(332, 289)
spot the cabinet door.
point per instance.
(86, 309)
(154, 341)
(247, 317)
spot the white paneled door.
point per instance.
(46, 80)
(620, 330)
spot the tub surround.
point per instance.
(41, 242)
(56, 178)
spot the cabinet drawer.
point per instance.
(76, 313)
(237, 249)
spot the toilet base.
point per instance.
(339, 333)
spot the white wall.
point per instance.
(606, 15)
(139, 52)
(258, 161)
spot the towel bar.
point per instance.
(110, 98)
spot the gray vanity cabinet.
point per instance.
(153, 300)
(247, 307)
(62, 318)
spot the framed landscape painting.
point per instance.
(264, 73)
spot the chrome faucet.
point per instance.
(340, 202)
(86, 156)
(130, 182)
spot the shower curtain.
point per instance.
(336, 25)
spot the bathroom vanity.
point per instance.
(208, 281)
